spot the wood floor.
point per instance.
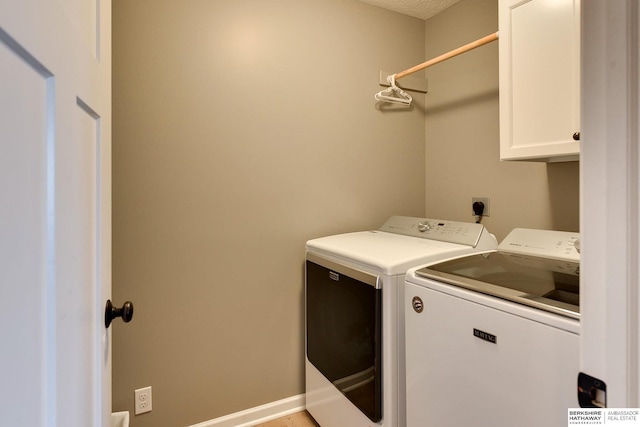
(299, 419)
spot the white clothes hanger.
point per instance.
(393, 93)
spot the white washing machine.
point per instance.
(492, 339)
(354, 330)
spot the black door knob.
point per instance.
(111, 312)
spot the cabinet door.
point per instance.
(539, 79)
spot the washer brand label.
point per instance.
(334, 276)
(485, 336)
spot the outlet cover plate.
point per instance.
(143, 400)
(484, 200)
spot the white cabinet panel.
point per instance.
(539, 79)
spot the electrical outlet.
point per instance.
(143, 400)
(484, 200)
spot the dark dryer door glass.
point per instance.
(344, 334)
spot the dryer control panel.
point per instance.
(463, 233)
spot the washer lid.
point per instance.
(547, 284)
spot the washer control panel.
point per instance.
(543, 243)
(464, 233)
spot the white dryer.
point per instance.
(492, 339)
(354, 328)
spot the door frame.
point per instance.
(609, 198)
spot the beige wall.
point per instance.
(242, 129)
(462, 136)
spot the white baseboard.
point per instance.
(259, 414)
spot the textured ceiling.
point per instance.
(423, 9)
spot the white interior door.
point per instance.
(55, 233)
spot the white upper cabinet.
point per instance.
(539, 80)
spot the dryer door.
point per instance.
(344, 331)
